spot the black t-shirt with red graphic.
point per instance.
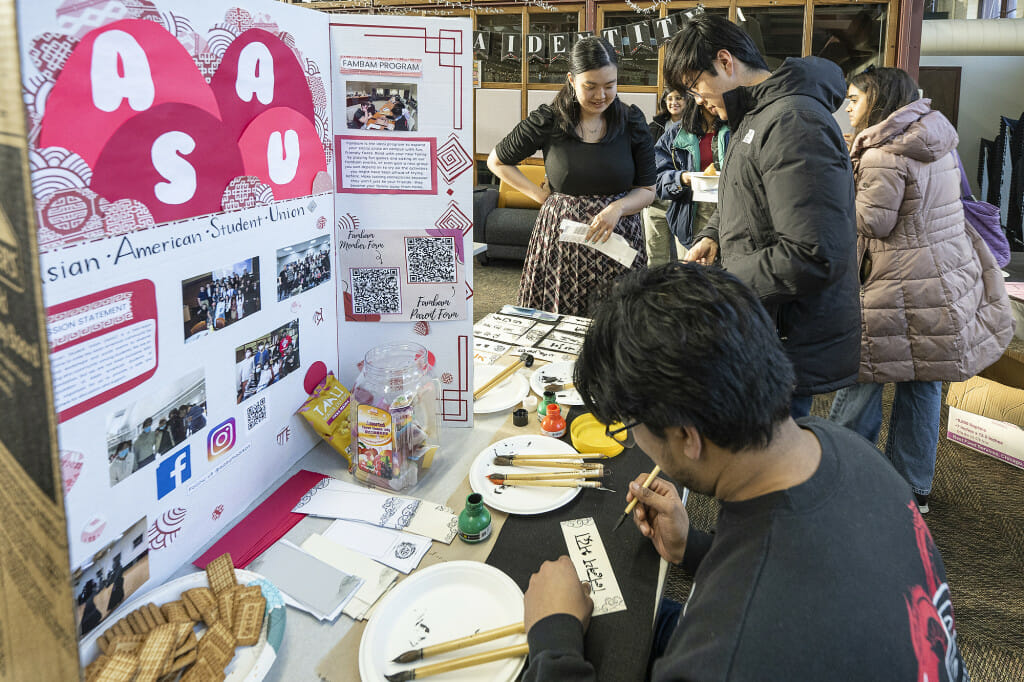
(835, 578)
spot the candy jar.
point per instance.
(395, 429)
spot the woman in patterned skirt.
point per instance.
(599, 161)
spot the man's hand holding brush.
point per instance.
(661, 516)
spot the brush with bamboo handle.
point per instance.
(514, 462)
(629, 507)
(564, 483)
(460, 643)
(525, 360)
(555, 455)
(459, 663)
(546, 476)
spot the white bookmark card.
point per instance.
(592, 565)
(616, 247)
(401, 551)
(434, 521)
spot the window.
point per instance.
(494, 69)
(640, 68)
(776, 31)
(547, 23)
(851, 36)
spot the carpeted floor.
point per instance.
(976, 519)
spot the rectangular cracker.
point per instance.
(174, 612)
(214, 653)
(156, 613)
(125, 644)
(147, 616)
(136, 623)
(225, 606)
(155, 652)
(249, 621)
(204, 602)
(220, 573)
(119, 668)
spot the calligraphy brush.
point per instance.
(555, 455)
(564, 483)
(459, 663)
(512, 461)
(498, 478)
(460, 643)
(558, 388)
(629, 507)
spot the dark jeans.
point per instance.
(664, 626)
(800, 406)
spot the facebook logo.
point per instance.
(173, 471)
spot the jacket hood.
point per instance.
(915, 131)
(809, 76)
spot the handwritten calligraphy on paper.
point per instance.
(592, 564)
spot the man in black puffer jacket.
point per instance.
(785, 223)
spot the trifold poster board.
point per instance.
(37, 627)
(217, 227)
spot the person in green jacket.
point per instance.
(691, 144)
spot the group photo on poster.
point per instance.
(217, 299)
(303, 266)
(381, 105)
(267, 360)
(140, 433)
(110, 577)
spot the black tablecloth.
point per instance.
(616, 643)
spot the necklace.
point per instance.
(589, 132)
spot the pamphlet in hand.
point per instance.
(616, 248)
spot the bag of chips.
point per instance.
(327, 411)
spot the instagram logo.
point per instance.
(221, 439)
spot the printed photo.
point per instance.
(217, 299)
(300, 267)
(263, 362)
(381, 106)
(143, 432)
(110, 576)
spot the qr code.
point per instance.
(256, 413)
(375, 291)
(430, 259)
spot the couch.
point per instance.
(503, 217)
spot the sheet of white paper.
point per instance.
(401, 551)
(307, 582)
(336, 499)
(377, 577)
(616, 247)
(592, 565)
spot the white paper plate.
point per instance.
(504, 396)
(519, 500)
(440, 603)
(251, 663)
(556, 373)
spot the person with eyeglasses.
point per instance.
(820, 564)
(785, 223)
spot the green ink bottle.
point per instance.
(475, 520)
(542, 409)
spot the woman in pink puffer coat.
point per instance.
(933, 304)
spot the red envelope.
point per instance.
(264, 525)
